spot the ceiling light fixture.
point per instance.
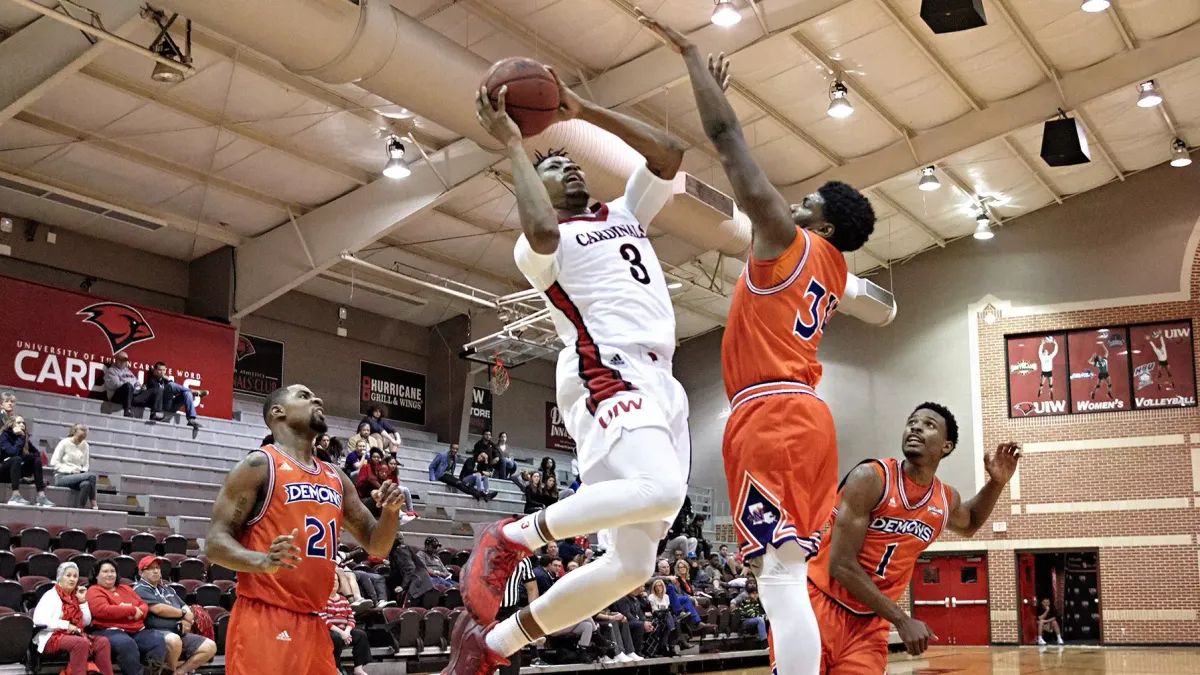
(929, 180)
(1179, 153)
(1148, 95)
(163, 72)
(674, 285)
(839, 102)
(983, 226)
(396, 166)
(1095, 5)
(725, 14)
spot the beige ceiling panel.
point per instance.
(991, 60)
(902, 242)
(593, 31)
(246, 217)
(85, 104)
(994, 173)
(1181, 87)
(784, 158)
(233, 149)
(113, 175)
(1138, 137)
(346, 137)
(1154, 18)
(283, 176)
(939, 209)
(23, 145)
(1070, 38)
(466, 29)
(162, 132)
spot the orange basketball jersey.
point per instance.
(899, 531)
(777, 316)
(303, 498)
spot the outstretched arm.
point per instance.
(860, 494)
(967, 517)
(233, 507)
(770, 215)
(375, 536)
(539, 220)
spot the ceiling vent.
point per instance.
(79, 202)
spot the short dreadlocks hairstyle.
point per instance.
(539, 157)
(951, 423)
(850, 213)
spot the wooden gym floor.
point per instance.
(1041, 660)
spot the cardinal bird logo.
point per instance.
(121, 324)
(1024, 408)
(245, 347)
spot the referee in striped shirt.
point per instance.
(520, 590)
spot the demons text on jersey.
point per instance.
(310, 492)
(916, 528)
(614, 232)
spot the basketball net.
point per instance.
(499, 381)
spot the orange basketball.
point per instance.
(532, 97)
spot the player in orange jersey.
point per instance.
(277, 497)
(780, 447)
(889, 512)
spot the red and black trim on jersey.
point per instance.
(602, 381)
(598, 214)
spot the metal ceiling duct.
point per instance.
(390, 54)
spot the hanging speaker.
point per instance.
(950, 16)
(1064, 143)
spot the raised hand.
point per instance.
(494, 118)
(1002, 464)
(719, 69)
(570, 105)
(282, 554)
(389, 497)
(674, 39)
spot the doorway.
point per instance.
(950, 594)
(1070, 580)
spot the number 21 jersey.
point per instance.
(307, 499)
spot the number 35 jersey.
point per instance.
(307, 499)
(604, 284)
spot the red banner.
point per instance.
(1037, 375)
(1099, 360)
(58, 340)
(1164, 373)
(557, 437)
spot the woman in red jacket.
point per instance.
(119, 615)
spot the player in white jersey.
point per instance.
(1163, 369)
(628, 415)
(1046, 356)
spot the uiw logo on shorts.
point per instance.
(622, 406)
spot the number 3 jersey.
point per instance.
(905, 521)
(307, 499)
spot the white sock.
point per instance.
(796, 637)
(525, 531)
(508, 637)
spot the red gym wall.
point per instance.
(1148, 554)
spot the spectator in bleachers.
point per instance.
(323, 449)
(119, 615)
(683, 597)
(666, 628)
(167, 614)
(71, 461)
(347, 585)
(475, 471)
(616, 623)
(485, 444)
(530, 484)
(63, 614)
(503, 465)
(383, 435)
(122, 387)
(723, 554)
(8, 403)
(550, 492)
(441, 469)
(439, 574)
(635, 623)
(549, 571)
(19, 457)
(577, 550)
(714, 572)
(172, 396)
(365, 585)
(371, 477)
(753, 616)
(409, 577)
(357, 455)
(342, 630)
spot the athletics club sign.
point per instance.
(56, 340)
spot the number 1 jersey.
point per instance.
(307, 499)
(604, 283)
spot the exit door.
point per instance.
(1027, 591)
(950, 594)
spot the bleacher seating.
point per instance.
(155, 492)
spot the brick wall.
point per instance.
(1150, 588)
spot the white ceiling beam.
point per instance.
(762, 18)
(649, 73)
(237, 128)
(909, 216)
(879, 259)
(968, 190)
(155, 162)
(217, 233)
(244, 58)
(1122, 25)
(1032, 168)
(1013, 114)
(791, 127)
(934, 59)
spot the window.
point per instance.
(969, 575)
(929, 575)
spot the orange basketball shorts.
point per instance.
(780, 454)
(268, 640)
(850, 644)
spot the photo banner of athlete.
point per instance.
(59, 340)
(400, 392)
(557, 437)
(259, 366)
(1099, 359)
(1164, 370)
(1037, 374)
(481, 410)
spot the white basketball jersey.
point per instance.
(604, 284)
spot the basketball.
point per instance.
(532, 97)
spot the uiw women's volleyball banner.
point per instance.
(58, 340)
